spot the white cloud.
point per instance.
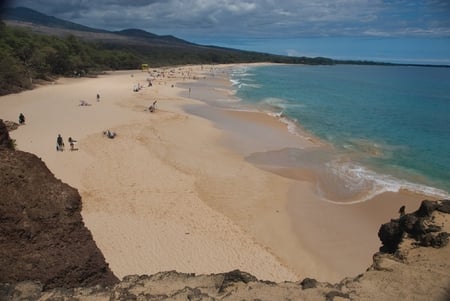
(257, 18)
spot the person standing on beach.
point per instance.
(98, 97)
(21, 118)
(59, 143)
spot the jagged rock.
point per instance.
(390, 235)
(444, 206)
(407, 222)
(426, 208)
(26, 290)
(418, 225)
(5, 140)
(308, 283)
(42, 235)
(333, 294)
(11, 125)
(235, 276)
(435, 241)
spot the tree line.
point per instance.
(27, 58)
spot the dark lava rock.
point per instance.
(309, 283)
(236, 276)
(417, 225)
(444, 206)
(5, 140)
(42, 234)
(391, 235)
(331, 295)
(426, 208)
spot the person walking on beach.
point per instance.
(98, 97)
(21, 118)
(59, 143)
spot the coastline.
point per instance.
(339, 234)
(174, 191)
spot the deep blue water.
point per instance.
(393, 122)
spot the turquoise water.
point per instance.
(389, 125)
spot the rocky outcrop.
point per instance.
(417, 225)
(235, 285)
(5, 140)
(42, 235)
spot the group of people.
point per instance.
(137, 87)
(60, 143)
(109, 134)
(85, 103)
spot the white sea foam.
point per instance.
(357, 178)
(276, 115)
(291, 124)
(234, 82)
(243, 74)
(240, 72)
(249, 85)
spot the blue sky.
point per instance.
(394, 31)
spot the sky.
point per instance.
(402, 31)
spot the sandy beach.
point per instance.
(174, 191)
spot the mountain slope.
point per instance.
(34, 46)
(24, 14)
(41, 23)
(149, 45)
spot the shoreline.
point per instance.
(174, 190)
(355, 223)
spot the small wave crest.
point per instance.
(242, 71)
(358, 183)
(234, 82)
(249, 85)
(277, 108)
(240, 84)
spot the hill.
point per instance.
(23, 14)
(35, 47)
(152, 48)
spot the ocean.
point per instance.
(388, 126)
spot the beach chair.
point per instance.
(84, 103)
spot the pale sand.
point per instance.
(142, 191)
(173, 191)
